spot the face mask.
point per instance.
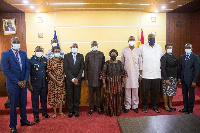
(151, 41)
(74, 50)
(94, 48)
(16, 46)
(38, 54)
(54, 44)
(56, 54)
(188, 51)
(113, 58)
(169, 51)
(131, 43)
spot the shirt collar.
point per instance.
(74, 53)
(14, 51)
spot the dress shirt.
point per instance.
(18, 57)
(74, 57)
(151, 61)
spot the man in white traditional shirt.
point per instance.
(151, 74)
(132, 61)
(49, 54)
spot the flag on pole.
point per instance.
(55, 36)
(142, 38)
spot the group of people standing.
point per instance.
(59, 75)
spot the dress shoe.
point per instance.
(70, 115)
(46, 115)
(136, 110)
(99, 111)
(90, 112)
(144, 110)
(76, 114)
(183, 110)
(36, 119)
(156, 109)
(126, 110)
(13, 130)
(27, 123)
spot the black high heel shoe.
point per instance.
(169, 110)
(173, 108)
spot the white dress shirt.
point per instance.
(151, 61)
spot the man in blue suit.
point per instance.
(15, 66)
(189, 71)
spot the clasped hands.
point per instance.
(22, 84)
(75, 81)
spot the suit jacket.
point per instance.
(73, 70)
(189, 71)
(12, 70)
(7, 29)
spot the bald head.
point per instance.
(131, 38)
(150, 36)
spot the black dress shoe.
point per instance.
(76, 114)
(46, 115)
(70, 115)
(13, 130)
(90, 112)
(99, 111)
(169, 110)
(36, 119)
(27, 123)
(183, 110)
(136, 110)
(126, 110)
(156, 109)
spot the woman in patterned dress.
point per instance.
(113, 74)
(56, 84)
(169, 71)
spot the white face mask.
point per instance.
(16, 46)
(131, 43)
(74, 50)
(56, 54)
(38, 54)
(188, 51)
(169, 51)
(94, 48)
(54, 44)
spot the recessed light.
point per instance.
(25, 2)
(156, 11)
(179, 5)
(163, 7)
(32, 7)
(37, 11)
(172, 1)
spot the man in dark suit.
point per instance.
(9, 27)
(73, 66)
(189, 71)
(15, 66)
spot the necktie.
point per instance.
(74, 57)
(16, 54)
(186, 58)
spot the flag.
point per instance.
(142, 38)
(55, 36)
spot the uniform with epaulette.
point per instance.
(38, 81)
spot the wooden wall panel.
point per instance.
(178, 31)
(5, 40)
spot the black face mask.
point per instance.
(113, 58)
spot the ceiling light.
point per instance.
(163, 7)
(37, 11)
(25, 2)
(179, 5)
(172, 1)
(67, 3)
(32, 7)
(156, 11)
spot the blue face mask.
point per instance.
(169, 51)
(56, 54)
(188, 51)
(151, 41)
(94, 48)
(74, 50)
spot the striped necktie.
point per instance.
(186, 58)
(16, 54)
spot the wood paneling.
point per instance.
(5, 39)
(178, 31)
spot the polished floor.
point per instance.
(183, 123)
